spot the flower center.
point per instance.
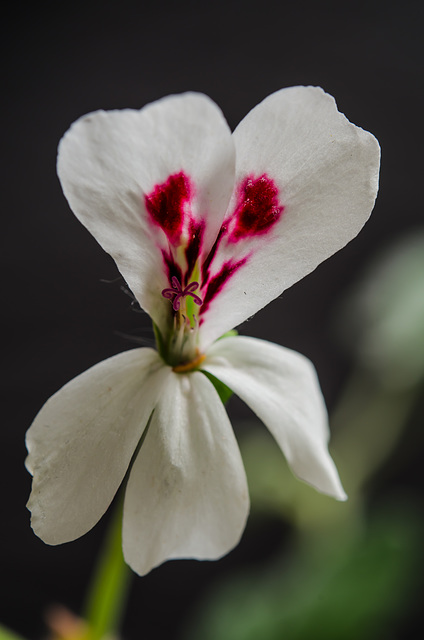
(181, 348)
(191, 265)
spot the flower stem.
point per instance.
(109, 588)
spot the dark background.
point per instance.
(62, 60)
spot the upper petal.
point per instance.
(109, 162)
(81, 442)
(282, 388)
(306, 181)
(187, 494)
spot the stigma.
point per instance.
(181, 293)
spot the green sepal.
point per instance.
(160, 343)
(223, 391)
(229, 334)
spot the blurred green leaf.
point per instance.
(6, 634)
(357, 590)
(384, 316)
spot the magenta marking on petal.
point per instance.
(258, 208)
(194, 246)
(218, 281)
(172, 268)
(166, 205)
(212, 253)
(180, 293)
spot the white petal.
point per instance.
(187, 494)
(282, 388)
(109, 161)
(81, 442)
(326, 173)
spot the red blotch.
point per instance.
(166, 205)
(258, 209)
(216, 283)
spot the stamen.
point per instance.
(180, 293)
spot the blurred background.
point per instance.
(305, 568)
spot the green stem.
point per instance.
(108, 591)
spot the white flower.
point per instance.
(206, 228)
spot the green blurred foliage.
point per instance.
(358, 589)
(383, 318)
(6, 634)
(350, 571)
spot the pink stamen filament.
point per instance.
(180, 293)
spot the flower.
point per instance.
(206, 227)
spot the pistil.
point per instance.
(182, 339)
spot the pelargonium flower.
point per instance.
(206, 227)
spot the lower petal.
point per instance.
(82, 441)
(187, 493)
(282, 388)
